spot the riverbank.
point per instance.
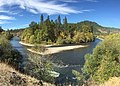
(100, 38)
(26, 44)
(53, 50)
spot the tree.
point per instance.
(65, 23)
(59, 22)
(105, 60)
(33, 25)
(42, 69)
(86, 28)
(32, 39)
(8, 35)
(1, 29)
(79, 77)
(47, 22)
(8, 54)
(42, 19)
(51, 30)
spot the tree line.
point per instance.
(54, 31)
(7, 34)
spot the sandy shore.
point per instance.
(100, 38)
(26, 44)
(53, 50)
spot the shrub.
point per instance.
(60, 41)
(39, 48)
(105, 60)
(8, 54)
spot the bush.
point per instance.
(60, 41)
(8, 54)
(32, 39)
(39, 48)
(40, 68)
(105, 60)
(68, 40)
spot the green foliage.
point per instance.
(65, 23)
(39, 48)
(58, 22)
(1, 30)
(60, 40)
(4, 42)
(79, 77)
(26, 35)
(8, 35)
(42, 19)
(33, 25)
(68, 40)
(41, 69)
(49, 32)
(81, 37)
(32, 39)
(8, 54)
(105, 60)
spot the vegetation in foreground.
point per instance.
(103, 63)
(8, 53)
(11, 77)
(32, 66)
(114, 81)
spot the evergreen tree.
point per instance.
(1, 29)
(47, 21)
(65, 22)
(48, 18)
(33, 26)
(59, 21)
(42, 19)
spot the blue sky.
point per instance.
(16, 14)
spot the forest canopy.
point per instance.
(54, 31)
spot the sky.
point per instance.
(15, 14)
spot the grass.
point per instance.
(114, 81)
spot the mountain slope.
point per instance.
(99, 29)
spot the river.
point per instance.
(72, 59)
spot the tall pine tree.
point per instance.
(65, 23)
(42, 19)
(59, 22)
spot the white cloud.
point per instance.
(40, 6)
(4, 22)
(69, 1)
(4, 17)
(8, 11)
(92, 0)
(3, 11)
